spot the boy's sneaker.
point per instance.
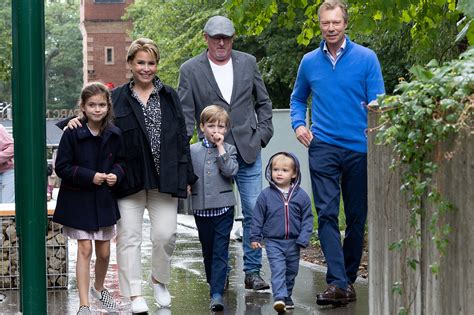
(216, 303)
(279, 306)
(255, 282)
(84, 310)
(289, 303)
(105, 298)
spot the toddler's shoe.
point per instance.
(139, 305)
(161, 293)
(84, 310)
(289, 303)
(105, 299)
(279, 306)
(216, 303)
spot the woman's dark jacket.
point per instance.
(176, 169)
(81, 203)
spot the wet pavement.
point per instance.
(189, 290)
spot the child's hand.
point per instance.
(218, 139)
(189, 190)
(256, 245)
(111, 179)
(99, 178)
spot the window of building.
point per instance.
(109, 1)
(109, 55)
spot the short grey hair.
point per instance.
(333, 4)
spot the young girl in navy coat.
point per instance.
(90, 167)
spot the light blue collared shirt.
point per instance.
(338, 52)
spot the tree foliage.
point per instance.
(176, 26)
(432, 23)
(63, 56)
(6, 50)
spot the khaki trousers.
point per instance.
(162, 209)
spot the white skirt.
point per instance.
(103, 234)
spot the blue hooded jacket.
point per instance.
(278, 218)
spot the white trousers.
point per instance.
(162, 209)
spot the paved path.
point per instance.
(189, 288)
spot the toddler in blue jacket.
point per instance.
(284, 219)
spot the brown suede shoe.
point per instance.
(333, 295)
(351, 293)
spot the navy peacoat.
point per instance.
(82, 204)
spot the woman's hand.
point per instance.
(73, 124)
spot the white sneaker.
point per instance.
(161, 293)
(139, 305)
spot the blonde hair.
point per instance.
(143, 44)
(92, 89)
(214, 113)
(284, 157)
(333, 4)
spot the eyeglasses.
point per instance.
(217, 39)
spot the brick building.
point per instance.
(105, 40)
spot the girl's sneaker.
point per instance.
(84, 310)
(105, 298)
(289, 303)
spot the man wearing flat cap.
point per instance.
(231, 79)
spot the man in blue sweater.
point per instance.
(342, 77)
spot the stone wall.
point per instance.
(56, 255)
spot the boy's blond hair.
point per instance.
(281, 157)
(214, 113)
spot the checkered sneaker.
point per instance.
(104, 296)
(84, 310)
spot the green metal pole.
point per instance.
(29, 130)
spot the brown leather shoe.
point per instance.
(333, 295)
(351, 293)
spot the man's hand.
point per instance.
(304, 135)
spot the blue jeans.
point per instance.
(249, 183)
(7, 186)
(334, 169)
(284, 259)
(214, 235)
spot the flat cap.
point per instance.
(219, 25)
